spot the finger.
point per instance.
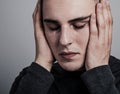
(38, 29)
(35, 11)
(110, 21)
(109, 11)
(100, 22)
(38, 16)
(93, 28)
(106, 21)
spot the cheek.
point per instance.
(83, 37)
(52, 40)
(49, 35)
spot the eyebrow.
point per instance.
(51, 21)
(70, 21)
(79, 19)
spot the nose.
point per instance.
(66, 36)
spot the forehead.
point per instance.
(67, 9)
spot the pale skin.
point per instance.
(42, 58)
(100, 37)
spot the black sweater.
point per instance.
(100, 80)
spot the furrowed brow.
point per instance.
(51, 21)
(79, 19)
(70, 21)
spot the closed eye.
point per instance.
(53, 27)
(79, 27)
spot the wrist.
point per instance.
(44, 63)
(89, 67)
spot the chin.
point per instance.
(71, 66)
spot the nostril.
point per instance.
(65, 41)
(65, 37)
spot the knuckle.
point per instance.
(102, 44)
(106, 20)
(109, 21)
(102, 25)
(94, 32)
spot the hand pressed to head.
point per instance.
(76, 33)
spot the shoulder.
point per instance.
(114, 64)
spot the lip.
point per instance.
(68, 55)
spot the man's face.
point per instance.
(66, 24)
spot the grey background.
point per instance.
(17, 48)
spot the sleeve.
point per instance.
(100, 80)
(32, 80)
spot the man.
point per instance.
(78, 34)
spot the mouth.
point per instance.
(68, 55)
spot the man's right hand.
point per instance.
(44, 55)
